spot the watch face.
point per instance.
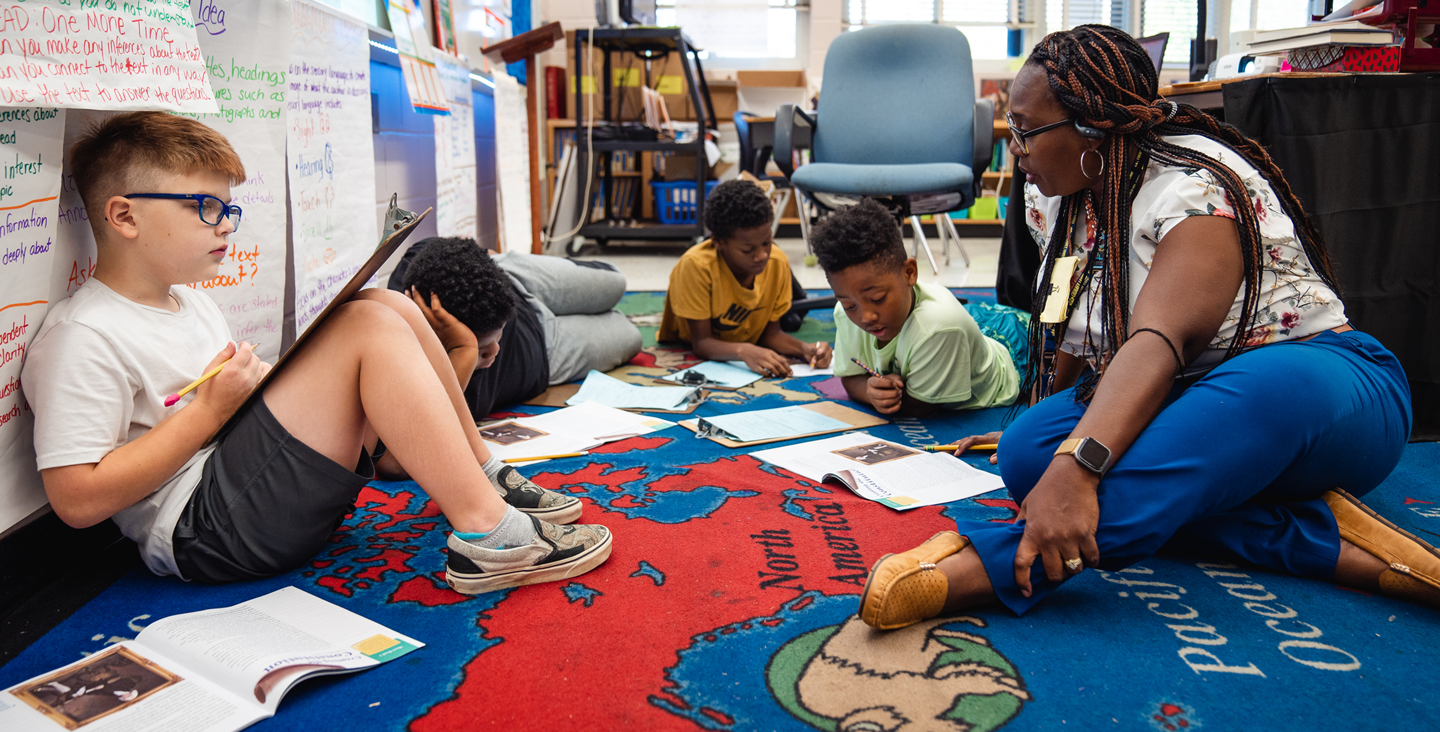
(1093, 454)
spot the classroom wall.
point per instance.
(404, 155)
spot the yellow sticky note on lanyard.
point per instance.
(1054, 311)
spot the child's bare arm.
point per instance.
(817, 354)
(86, 494)
(759, 359)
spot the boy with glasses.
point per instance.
(264, 496)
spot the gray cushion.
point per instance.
(884, 180)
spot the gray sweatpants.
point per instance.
(576, 303)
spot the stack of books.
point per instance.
(1345, 33)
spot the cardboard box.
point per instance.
(681, 166)
(762, 92)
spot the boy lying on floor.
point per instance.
(926, 346)
(262, 499)
(728, 294)
(513, 324)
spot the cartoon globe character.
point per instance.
(924, 678)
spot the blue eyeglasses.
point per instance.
(211, 209)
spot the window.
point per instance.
(778, 40)
(1176, 17)
(1269, 15)
(367, 11)
(985, 23)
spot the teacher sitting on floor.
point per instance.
(1209, 393)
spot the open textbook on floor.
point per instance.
(213, 670)
(886, 472)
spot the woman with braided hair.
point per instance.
(1207, 391)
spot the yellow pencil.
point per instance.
(170, 400)
(951, 448)
(545, 457)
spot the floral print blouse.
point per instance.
(1294, 302)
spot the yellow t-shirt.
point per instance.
(702, 287)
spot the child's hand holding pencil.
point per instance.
(228, 379)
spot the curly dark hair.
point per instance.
(859, 234)
(734, 205)
(471, 286)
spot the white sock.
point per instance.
(492, 468)
(514, 530)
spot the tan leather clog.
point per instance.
(905, 588)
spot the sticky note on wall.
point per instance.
(671, 84)
(587, 85)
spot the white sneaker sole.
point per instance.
(566, 514)
(475, 584)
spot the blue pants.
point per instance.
(1233, 466)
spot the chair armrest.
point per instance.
(984, 137)
(785, 124)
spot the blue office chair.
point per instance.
(901, 124)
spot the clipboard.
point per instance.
(399, 224)
(854, 419)
(557, 395)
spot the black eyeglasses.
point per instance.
(211, 209)
(1020, 135)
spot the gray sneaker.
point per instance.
(557, 552)
(531, 499)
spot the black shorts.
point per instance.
(265, 504)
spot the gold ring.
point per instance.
(1073, 564)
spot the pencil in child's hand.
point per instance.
(868, 370)
(170, 400)
(951, 448)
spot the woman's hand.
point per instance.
(989, 438)
(1060, 514)
(452, 333)
(885, 393)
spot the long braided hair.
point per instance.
(1107, 81)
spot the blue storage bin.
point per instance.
(675, 201)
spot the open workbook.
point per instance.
(882, 471)
(209, 671)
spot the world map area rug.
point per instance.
(729, 604)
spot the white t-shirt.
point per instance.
(97, 375)
(1294, 302)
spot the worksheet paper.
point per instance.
(571, 429)
(331, 155)
(887, 472)
(30, 153)
(93, 54)
(455, 182)
(726, 374)
(512, 162)
(249, 64)
(769, 424)
(612, 392)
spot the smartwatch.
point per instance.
(1088, 452)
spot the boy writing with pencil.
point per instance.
(903, 346)
(263, 497)
(728, 294)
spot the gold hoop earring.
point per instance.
(1082, 164)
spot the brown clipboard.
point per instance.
(557, 395)
(399, 224)
(854, 419)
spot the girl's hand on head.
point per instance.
(451, 332)
(885, 392)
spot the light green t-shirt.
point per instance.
(940, 353)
